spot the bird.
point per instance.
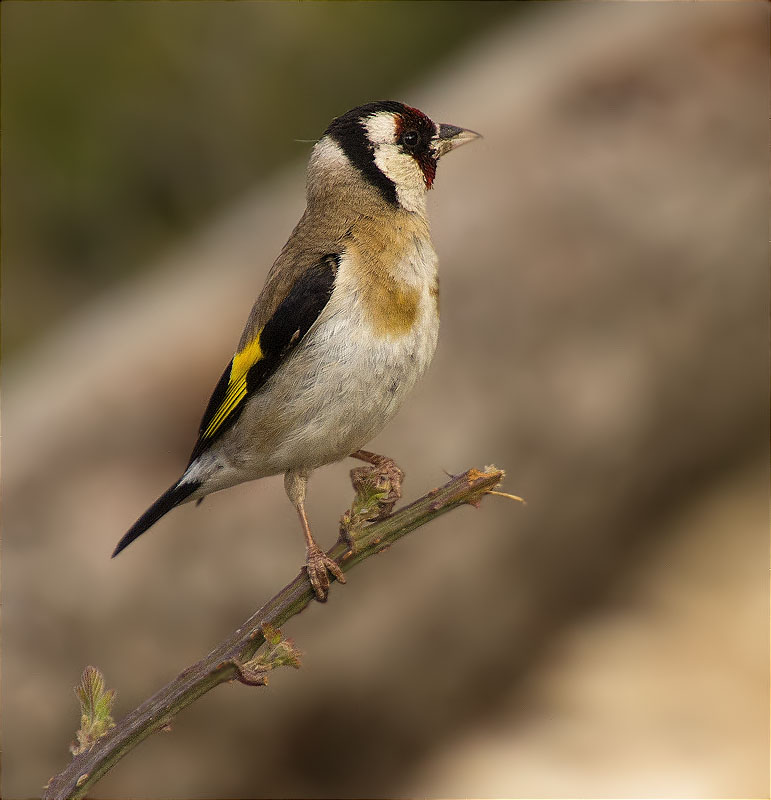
(346, 323)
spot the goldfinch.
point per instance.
(345, 325)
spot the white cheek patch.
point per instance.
(406, 175)
(396, 165)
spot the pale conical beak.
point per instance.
(451, 136)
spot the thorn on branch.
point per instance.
(510, 496)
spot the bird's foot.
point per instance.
(381, 480)
(318, 566)
(378, 487)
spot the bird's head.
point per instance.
(394, 147)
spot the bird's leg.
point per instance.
(317, 563)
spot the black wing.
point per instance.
(252, 366)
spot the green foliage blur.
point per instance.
(126, 124)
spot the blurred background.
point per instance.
(604, 263)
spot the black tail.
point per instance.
(170, 499)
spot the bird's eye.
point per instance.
(410, 139)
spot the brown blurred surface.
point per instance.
(604, 257)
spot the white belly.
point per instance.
(351, 392)
(335, 392)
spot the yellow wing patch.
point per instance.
(243, 361)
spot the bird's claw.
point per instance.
(318, 566)
(385, 478)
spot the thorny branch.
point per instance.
(234, 658)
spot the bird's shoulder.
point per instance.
(316, 236)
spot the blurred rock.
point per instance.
(656, 694)
(604, 297)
